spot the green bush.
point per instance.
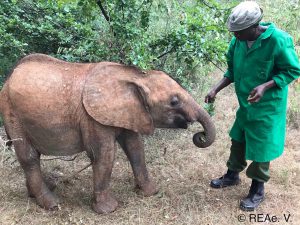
(175, 36)
(41, 26)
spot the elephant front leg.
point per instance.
(133, 147)
(102, 163)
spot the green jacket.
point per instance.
(262, 125)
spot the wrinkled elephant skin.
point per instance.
(52, 107)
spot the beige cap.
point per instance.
(244, 15)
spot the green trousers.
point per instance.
(237, 162)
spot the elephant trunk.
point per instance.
(207, 137)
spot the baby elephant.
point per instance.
(57, 108)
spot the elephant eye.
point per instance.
(174, 101)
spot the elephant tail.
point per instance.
(3, 99)
(4, 110)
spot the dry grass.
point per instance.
(182, 172)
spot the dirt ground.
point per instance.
(182, 172)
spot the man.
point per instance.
(261, 63)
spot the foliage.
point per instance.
(179, 37)
(200, 37)
(210, 108)
(285, 14)
(175, 36)
(293, 113)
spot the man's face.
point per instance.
(245, 35)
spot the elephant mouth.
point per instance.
(181, 123)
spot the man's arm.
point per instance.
(287, 63)
(210, 97)
(289, 69)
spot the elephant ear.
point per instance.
(114, 100)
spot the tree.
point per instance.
(175, 36)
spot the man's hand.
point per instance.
(210, 97)
(256, 94)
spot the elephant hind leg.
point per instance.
(29, 160)
(36, 186)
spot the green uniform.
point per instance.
(261, 125)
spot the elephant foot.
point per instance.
(49, 184)
(104, 203)
(147, 189)
(47, 201)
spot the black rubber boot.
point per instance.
(254, 198)
(229, 179)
